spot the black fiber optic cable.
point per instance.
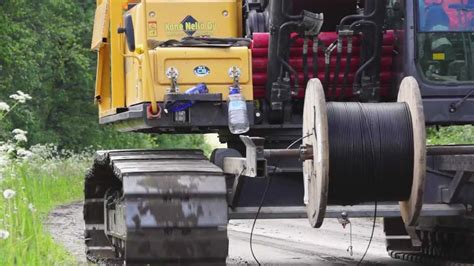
(264, 195)
(371, 152)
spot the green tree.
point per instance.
(45, 53)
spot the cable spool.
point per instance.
(371, 152)
(364, 152)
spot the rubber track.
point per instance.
(173, 206)
(440, 248)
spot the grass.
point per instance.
(40, 185)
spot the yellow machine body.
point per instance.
(169, 19)
(186, 61)
(126, 78)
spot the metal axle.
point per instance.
(334, 211)
(303, 153)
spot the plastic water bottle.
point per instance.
(238, 118)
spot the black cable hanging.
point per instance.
(264, 195)
(371, 152)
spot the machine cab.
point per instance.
(440, 49)
(445, 40)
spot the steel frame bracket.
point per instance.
(450, 193)
(253, 165)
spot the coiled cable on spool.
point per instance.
(371, 152)
(364, 152)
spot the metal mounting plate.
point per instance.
(243, 166)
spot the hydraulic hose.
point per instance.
(288, 16)
(305, 59)
(359, 17)
(327, 61)
(364, 19)
(315, 56)
(374, 54)
(282, 60)
(347, 67)
(340, 40)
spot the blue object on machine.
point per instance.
(238, 117)
(436, 19)
(198, 89)
(179, 106)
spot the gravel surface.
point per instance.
(66, 225)
(281, 241)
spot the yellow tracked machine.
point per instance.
(323, 107)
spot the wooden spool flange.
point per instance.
(409, 93)
(315, 134)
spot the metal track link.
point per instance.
(155, 206)
(440, 248)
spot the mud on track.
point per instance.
(282, 241)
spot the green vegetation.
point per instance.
(45, 53)
(34, 180)
(451, 135)
(31, 188)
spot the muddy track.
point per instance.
(275, 241)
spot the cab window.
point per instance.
(446, 15)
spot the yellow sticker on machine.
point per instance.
(176, 19)
(439, 56)
(152, 29)
(189, 25)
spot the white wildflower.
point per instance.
(3, 160)
(27, 96)
(18, 131)
(11, 149)
(19, 135)
(17, 97)
(8, 193)
(4, 107)
(24, 153)
(4, 234)
(20, 138)
(5, 147)
(20, 96)
(31, 207)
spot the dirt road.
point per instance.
(275, 241)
